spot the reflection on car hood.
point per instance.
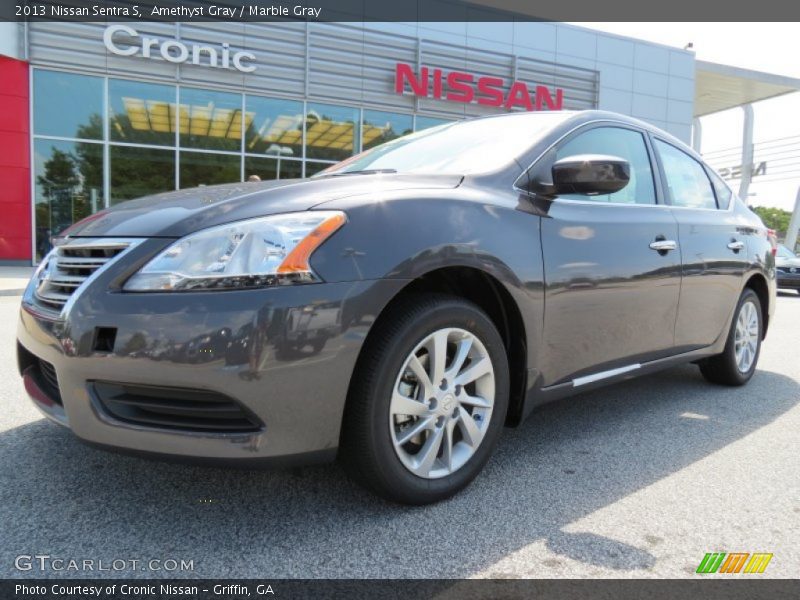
(787, 262)
(175, 214)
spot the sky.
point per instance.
(770, 47)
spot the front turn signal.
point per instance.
(297, 261)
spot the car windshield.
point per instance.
(784, 252)
(462, 147)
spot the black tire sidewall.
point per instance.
(403, 484)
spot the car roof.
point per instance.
(576, 118)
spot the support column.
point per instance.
(697, 135)
(794, 224)
(747, 153)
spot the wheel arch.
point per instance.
(489, 294)
(758, 283)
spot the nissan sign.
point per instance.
(458, 86)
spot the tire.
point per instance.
(728, 368)
(374, 449)
(318, 344)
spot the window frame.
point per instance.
(606, 124)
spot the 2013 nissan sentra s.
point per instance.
(398, 309)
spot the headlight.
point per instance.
(245, 254)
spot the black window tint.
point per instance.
(624, 143)
(724, 193)
(687, 182)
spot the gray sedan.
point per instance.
(400, 308)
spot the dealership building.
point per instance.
(94, 114)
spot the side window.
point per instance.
(722, 190)
(624, 143)
(687, 181)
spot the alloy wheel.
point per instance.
(442, 403)
(746, 337)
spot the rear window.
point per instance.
(724, 193)
(687, 181)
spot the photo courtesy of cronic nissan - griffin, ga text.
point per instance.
(398, 309)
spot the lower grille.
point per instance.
(175, 408)
(69, 265)
(49, 381)
(42, 372)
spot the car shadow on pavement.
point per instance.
(568, 460)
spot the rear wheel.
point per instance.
(428, 401)
(737, 363)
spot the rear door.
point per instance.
(612, 279)
(713, 246)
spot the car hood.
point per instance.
(787, 262)
(175, 214)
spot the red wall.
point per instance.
(15, 176)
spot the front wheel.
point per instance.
(428, 401)
(737, 363)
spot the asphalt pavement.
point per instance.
(640, 479)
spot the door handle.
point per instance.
(663, 245)
(735, 245)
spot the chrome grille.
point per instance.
(69, 265)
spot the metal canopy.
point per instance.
(720, 87)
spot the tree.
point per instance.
(774, 218)
(59, 173)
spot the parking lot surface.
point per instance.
(640, 479)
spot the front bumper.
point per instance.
(788, 280)
(245, 344)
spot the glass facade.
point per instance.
(68, 186)
(207, 168)
(379, 127)
(98, 141)
(331, 132)
(428, 122)
(136, 172)
(68, 105)
(273, 127)
(272, 168)
(210, 120)
(141, 113)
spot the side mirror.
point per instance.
(590, 174)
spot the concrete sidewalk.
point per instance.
(14, 279)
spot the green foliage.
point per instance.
(774, 218)
(59, 172)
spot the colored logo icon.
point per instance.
(734, 562)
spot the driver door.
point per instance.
(611, 291)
